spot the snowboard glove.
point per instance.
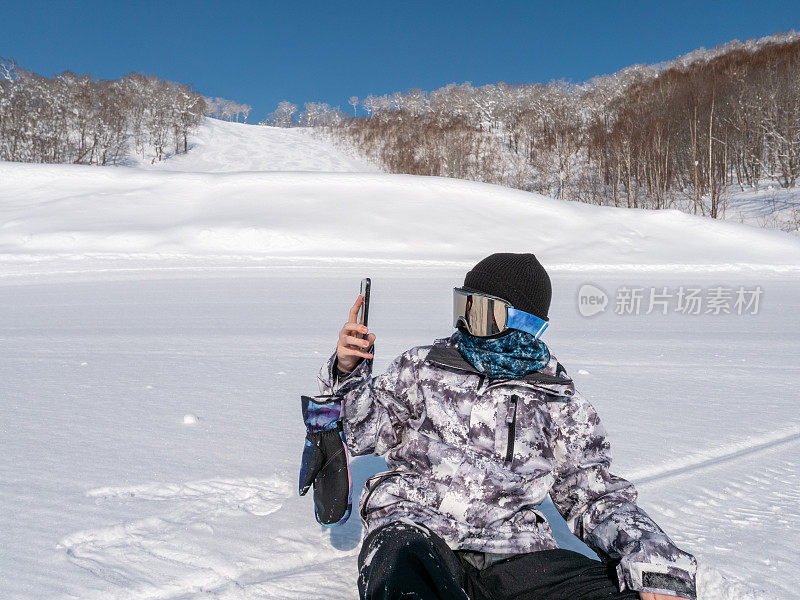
(325, 463)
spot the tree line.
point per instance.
(81, 119)
(314, 114)
(675, 135)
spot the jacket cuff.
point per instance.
(334, 381)
(656, 579)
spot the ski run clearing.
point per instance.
(159, 322)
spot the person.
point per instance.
(477, 430)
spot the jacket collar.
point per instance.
(444, 353)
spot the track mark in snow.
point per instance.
(733, 452)
(302, 579)
(740, 503)
(168, 554)
(208, 497)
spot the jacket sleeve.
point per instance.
(374, 409)
(600, 508)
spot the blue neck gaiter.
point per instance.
(513, 355)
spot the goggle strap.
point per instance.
(518, 319)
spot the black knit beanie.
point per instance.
(518, 278)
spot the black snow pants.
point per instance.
(409, 562)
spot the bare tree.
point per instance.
(282, 116)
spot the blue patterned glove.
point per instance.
(325, 463)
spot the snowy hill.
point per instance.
(259, 193)
(159, 322)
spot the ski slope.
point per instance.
(158, 323)
(224, 147)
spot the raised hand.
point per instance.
(351, 347)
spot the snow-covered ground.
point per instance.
(768, 206)
(158, 325)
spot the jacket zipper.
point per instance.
(511, 423)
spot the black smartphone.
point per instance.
(363, 312)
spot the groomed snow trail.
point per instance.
(133, 297)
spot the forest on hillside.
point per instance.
(675, 135)
(70, 118)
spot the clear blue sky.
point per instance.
(262, 52)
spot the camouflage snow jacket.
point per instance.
(472, 457)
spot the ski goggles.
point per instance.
(483, 315)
